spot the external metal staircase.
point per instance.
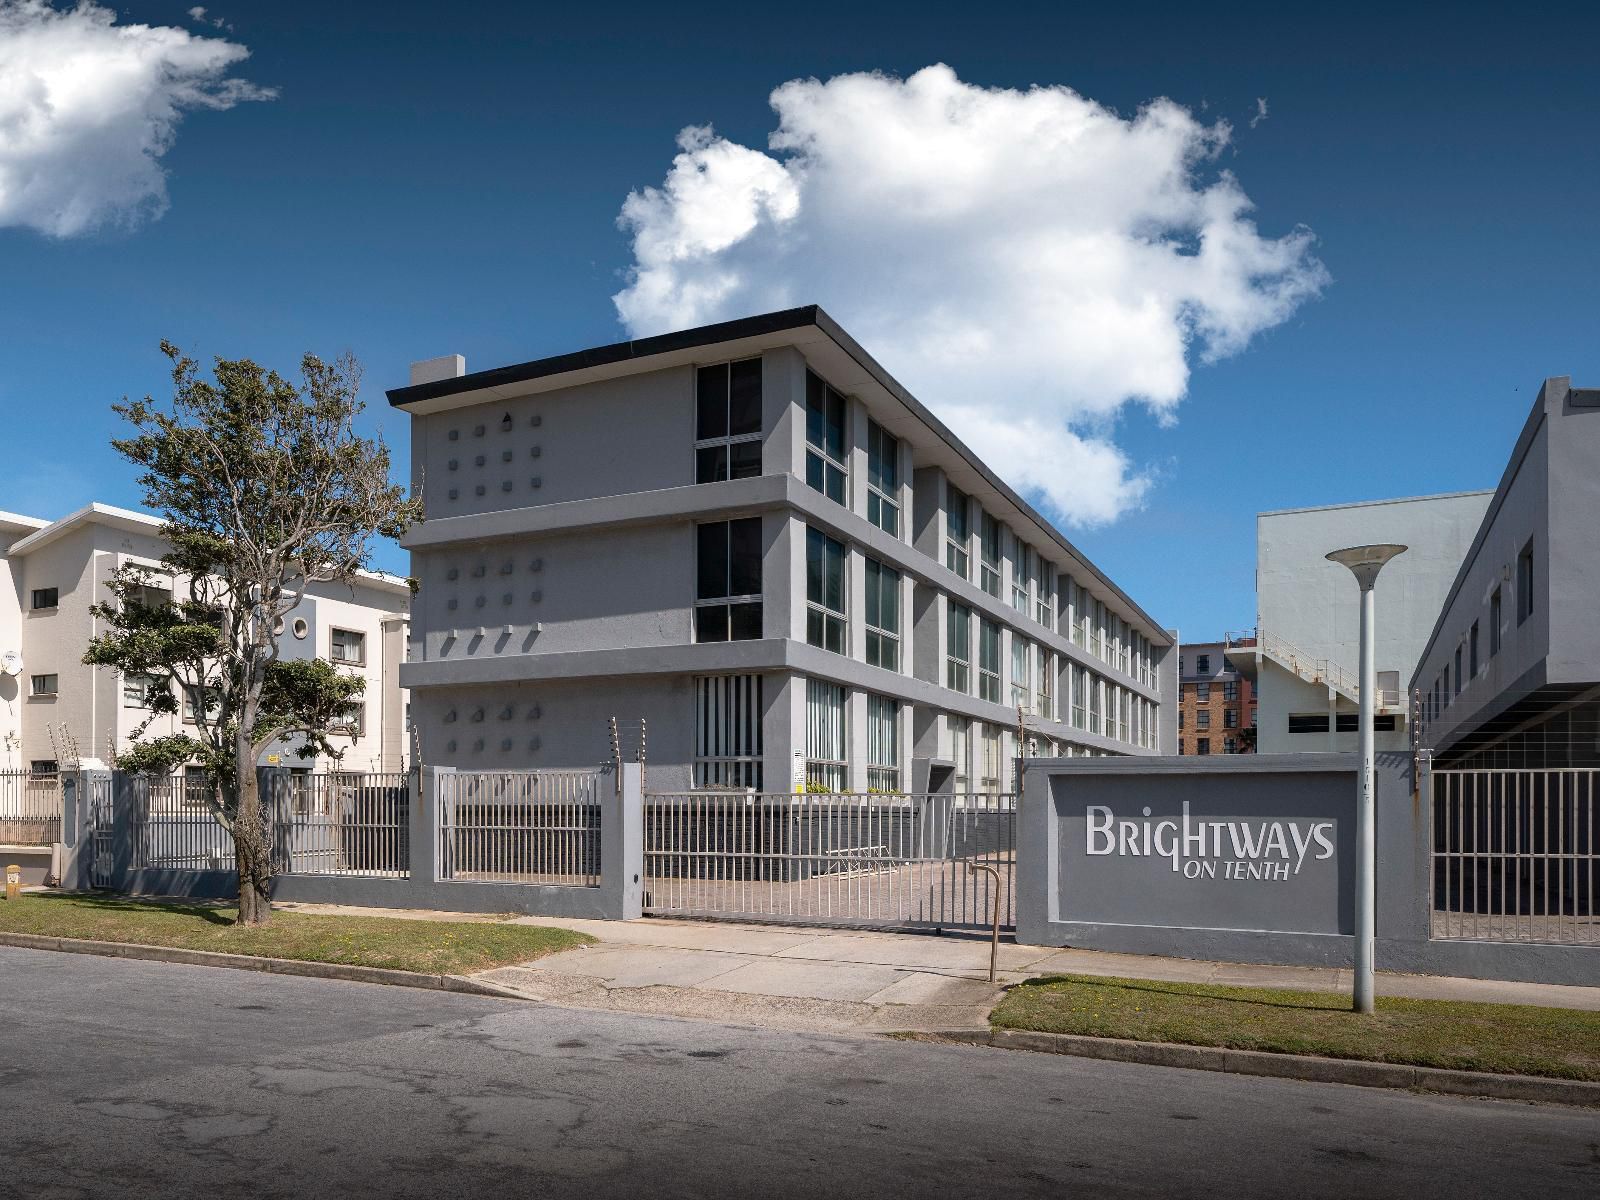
(1322, 671)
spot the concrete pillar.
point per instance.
(855, 744)
(426, 805)
(622, 845)
(78, 791)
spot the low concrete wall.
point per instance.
(1206, 901)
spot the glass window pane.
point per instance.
(712, 561)
(711, 464)
(744, 401)
(816, 411)
(745, 621)
(744, 461)
(816, 551)
(835, 592)
(835, 633)
(835, 489)
(815, 475)
(711, 402)
(711, 623)
(744, 553)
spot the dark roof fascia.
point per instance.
(810, 315)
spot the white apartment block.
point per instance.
(755, 539)
(52, 572)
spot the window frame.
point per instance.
(884, 777)
(727, 440)
(54, 595)
(883, 495)
(958, 549)
(953, 662)
(832, 773)
(1496, 616)
(729, 711)
(822, 454)
(1525, 593)
(745, 601)
(361, 640)
(35, 692)
(989, 569)
(875, 575)
(829, 620)
(142, 701)
(989, 676)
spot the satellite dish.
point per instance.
(10, 663)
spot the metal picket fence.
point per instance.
(30, 808)
(521, 826)
(345, 823)
(1516, 855)
(842, 859)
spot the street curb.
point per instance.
(1289, 1066)
(272, 966)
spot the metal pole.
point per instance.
(1366, 839)
(994, 942)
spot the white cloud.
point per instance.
(1028, 263)
(1261, 112)
(88, 107)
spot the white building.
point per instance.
(1304, 664)
(51, 573)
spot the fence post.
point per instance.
(272, 786)
(424, 819)
(622, 846)
(130, 796)
(77, 828)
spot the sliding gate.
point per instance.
(856, 860)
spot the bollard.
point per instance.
(13, 881)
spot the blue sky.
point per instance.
(429, 181)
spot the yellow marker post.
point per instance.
(13, 881)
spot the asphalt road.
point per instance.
(132, 1079)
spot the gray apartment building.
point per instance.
(1510, 676)
(751, 536)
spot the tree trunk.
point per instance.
(252, 850)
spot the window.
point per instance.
(883, 479)
(1308, 722)
(1472, 649)
(139, 690)
(1095, 698)
(825, 614)
(1078, 613)
(1080, 697)
(43, 685)
(353, 720)
(1097, 631)
(1044, 595)
(192, 707)
(727, 428)
(1180, 718)
(1230, 719)
(883, 616)
(1202, 664)
(1021, 681)
(988, 661)
(1047, 685)
(825, 465)
(1021, 567)
(827, 769)
(1202, 692)
(958, 648)
(1202, 718)
(1202, 745)
(728, 581)
(1229, 746)
(1458, 671)
(150, 596)
(727, 731)
(45, 598)
(1525, 583)
(989, 554)
(43, 766)
(883, 744)
(1444, 685)
(1494, 623)
(1347, 722)
(957, 531)
(1230, 691)
(347, 646)
(989, 766)
(959, 748)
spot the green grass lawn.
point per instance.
(430, 947)
(1509, 1038)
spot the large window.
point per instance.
(825, 611)
(727, 421)
(883, 615)
(1021, 673)
(959, 747)
(1525, 583)
(989, 538)
(1021, 567)
(989, 764)
(1047, 684)
(957, 531)
(827, 763)
(883, 479)
(883, 744)
(958, 649)
(727, 731)
(1080, 697)
(825, 461)
(1044, 593)
(728, 581)
(988, 661)
(1495, 617)
(1096, 697)
(347, 646)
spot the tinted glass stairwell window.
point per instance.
(728, 421)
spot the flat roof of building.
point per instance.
(764, 331)
(1286, 512)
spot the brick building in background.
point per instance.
(1217, 706)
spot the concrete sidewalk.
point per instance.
(792, 978)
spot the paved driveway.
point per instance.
(127, 1079)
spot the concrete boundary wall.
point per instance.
(1297, 922)
(619, 895)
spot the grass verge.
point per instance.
(1508, 1038)
(428, 947)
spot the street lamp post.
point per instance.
(1365, 562)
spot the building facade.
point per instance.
(752, 538)
(55, 706)
(1301, 658)
(1217, 705)
(1510, 673)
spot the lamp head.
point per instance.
(1366, 561)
